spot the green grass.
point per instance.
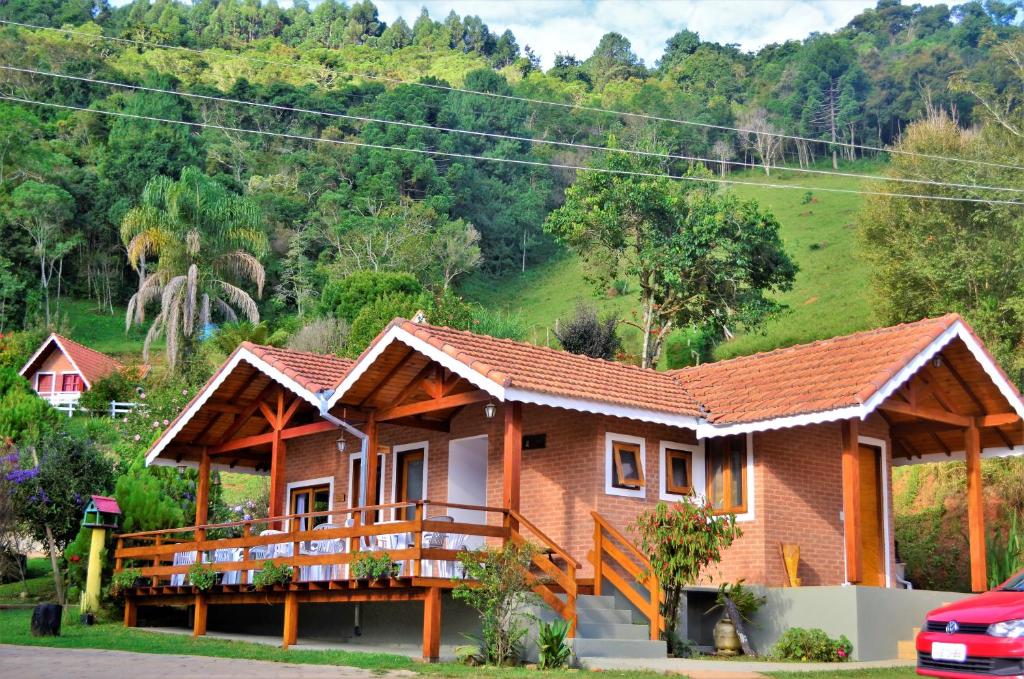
(874, 673)
(102, 330)
(831, 295)
(38, 582)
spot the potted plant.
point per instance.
(374, 567)
(271, 574)
(122, 581)
(739, 604)
(201, 576)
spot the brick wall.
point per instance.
(797, 484)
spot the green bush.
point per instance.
(552, 651)
(497, 323)
(271, 574)
(122, 582)
(201, 576)
(745, 599)
(376, 315)
(811, 645)
(374, 567)
(121, 385)
(346, 297)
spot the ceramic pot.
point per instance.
(727, 642)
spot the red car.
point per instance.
(979, 636)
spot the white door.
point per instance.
(467, 482)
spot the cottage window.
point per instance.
(71, 382)
(678, 471)
(409, 481)
(308, 499)
(727, 474)
(44, 383)
(629, 472)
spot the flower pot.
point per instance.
(727, 642)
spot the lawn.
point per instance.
(831, 295)
(102, 330)
(38, 582)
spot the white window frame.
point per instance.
(357, 501)
(296, 485)
(69, 372)
(750, 514)
(609, 465)
(697, 470)
(53, 382)
(401, 448)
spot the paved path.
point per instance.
(36, 662)
(736, 669)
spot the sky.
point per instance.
(575, 26)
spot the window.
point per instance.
(409, 480)
(355, 480)
(626, 459)
(44, 383)
(727, 474)
(678, 471)
(307, 499)
(71, 382)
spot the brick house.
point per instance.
(61, 369)
(798, 443)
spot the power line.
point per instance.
(530, 100)
(514, 161)
(503, 136)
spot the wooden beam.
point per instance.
(295, 432)
(917, 428)
(975, 509)
(432, 625)
(926, 413)
(415, 384)
(423, 423)
(962, 382)
(269, 415)
(250, 409)
(199, 615)
(370, 468)
(942, 444)
(220, 407)
(512, 454)
(434, 404)
(382, 382)
(290, 634)
(851, 500)
(998, 420)
(277, 478)
(286, 417)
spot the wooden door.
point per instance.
(872, 537)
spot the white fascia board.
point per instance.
(214, 466)
(708, 430)
(42, 347)
(601, 408)
(229, 367)
(71, 360)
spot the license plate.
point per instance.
(951, 652)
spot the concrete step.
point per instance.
(618, 648)
(614, 616)
(590, 602)
(608, 630)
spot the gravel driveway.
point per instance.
(34, 662)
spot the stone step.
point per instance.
(615, 616)
(618, 648)
(590, 602)
(609, 630)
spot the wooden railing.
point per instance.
(552, 578)
(153, 552)
(615, 555)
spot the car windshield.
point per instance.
(1015, 584)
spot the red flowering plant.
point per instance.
(681, 540)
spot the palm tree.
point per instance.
(207, 243)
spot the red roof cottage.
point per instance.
(61, 369)
(477, 440)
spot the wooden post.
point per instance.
(975, 508)
(417, 542)
(243, 576)
(131, 612)
(291, 620)
(203, 494)
(598, 557)
(513, 454)
(157, 541)
(432, 625)
(851, 500)
(370, 465)
(199, 619)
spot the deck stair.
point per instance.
(605, 631)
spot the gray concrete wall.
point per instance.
(874, 619)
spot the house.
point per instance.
(485, 439)
(61, 369)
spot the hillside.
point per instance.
(831, 295)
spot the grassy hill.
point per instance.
(831, 295)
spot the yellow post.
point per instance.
(91, 596)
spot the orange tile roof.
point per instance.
(315, 372)
(92, 364)
(808, 378)
(550, 371)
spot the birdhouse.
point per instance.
(101, 512)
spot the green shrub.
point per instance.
(374, 567)
(552, 651)
(345, 298)
(121, 385)
(201, 576)
(812, 645)
(497, 323)
(745, 599)
(123, 581)
(1005, 553)
(271, 574)
(376, 315)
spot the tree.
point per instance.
(456, 250)
(761, 137)
(584, 333)
(681, 541)
(614, 59)
(43, 210)
(703, 258)
(345, 297)
(208, 242)
(678, 48)
(724, 152)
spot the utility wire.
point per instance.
(514, 161)
(497, 135)
(529, 100)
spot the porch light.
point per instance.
(216, 479)
(489, 410)
(936, 361)
(340, 444)
(181, 469)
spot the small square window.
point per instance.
(629, 471)
(678, 471)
